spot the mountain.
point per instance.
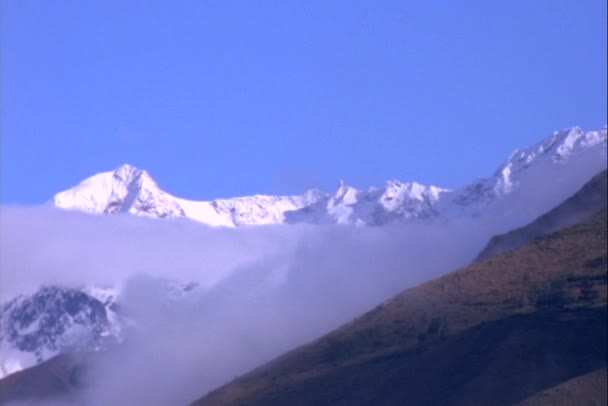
(463, 330)
(58, 320)
(500, 331)
(55, 320)
(591, 387)
(132, 190)
(126, 190)
(566, 158)
(588, 200)
(537, 168)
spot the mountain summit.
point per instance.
(125, 190)
(567, 157)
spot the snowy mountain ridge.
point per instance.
(565, 155)
(38, 326)
(131, 190)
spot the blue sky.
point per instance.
(228, 98)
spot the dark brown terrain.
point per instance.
(588, 390)
(498, 363)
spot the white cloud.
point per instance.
(265, 289)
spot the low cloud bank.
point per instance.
(262, 290)
(324, 276)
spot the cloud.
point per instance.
(49, 246)
(263, 290)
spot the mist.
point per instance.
(261, 290)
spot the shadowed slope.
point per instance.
(58, 378)
(516, 324)
(591, 198)
(591, 387)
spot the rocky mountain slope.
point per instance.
(55, 320)
(567, 157)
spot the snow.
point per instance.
(205, 212)
(124, 190)
(261, 209)
(567, 157)
(108, 296)
(132, 190)
(28, 329)
(105, 295)
(26, 340)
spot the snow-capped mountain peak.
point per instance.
(128, 173)
(530, 182)
(128, 189)
(53, 320)
(345, 194)
(568, 155)
(560, 146)
(124, 190)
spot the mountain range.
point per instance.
(500, 331)
(541, 189)
(543, 168)
(526, 325)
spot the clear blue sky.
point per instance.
(226, 98)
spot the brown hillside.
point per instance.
(557, 282)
